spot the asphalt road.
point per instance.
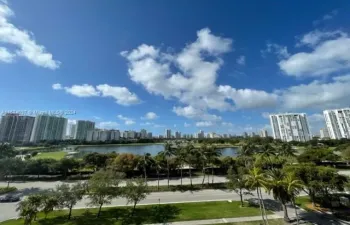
(53, 184)
(8, 210)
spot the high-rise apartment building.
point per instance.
(338, 123)
(143, 134)
(324, 133)
(290, 127)
(71, 129)
(149, 135)
(168, 134)
(115, 134)
(15, 128)
(48, 127)
(83, 126)
(177, 135)
(263, 133)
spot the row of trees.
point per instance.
(279, 171)
(100, 189)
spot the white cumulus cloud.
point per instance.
(318, 94)
(57, 86)
(150, 116)
(127, 120)
(327, 57)
(121, 95)
(205, 124)
(188, 76)
(6, 56)
(84, 90)
(26, 45)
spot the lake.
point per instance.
(153, 149)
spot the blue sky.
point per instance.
(185, 65)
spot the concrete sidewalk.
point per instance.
(223, 220)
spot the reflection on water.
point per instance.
(153, 149)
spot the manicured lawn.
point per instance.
(51, 155)
(146, 214)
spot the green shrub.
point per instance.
(4, 190)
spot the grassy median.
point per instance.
(145, 214)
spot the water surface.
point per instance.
(153, 149)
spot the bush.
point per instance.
(4, 190)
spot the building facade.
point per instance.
(15, 128)
(263, 133)
(290, 127)
(83, 126)
(168, 134)
(143, 134)
(324, 133)
(48, 127)
(338, 123)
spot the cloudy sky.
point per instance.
(219, 66)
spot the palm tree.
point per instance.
(145, 162)
(277, 184)
(181, 157)
(191, 153)
(267, 151)
(246, 152)
(287, 150)
(255, 179)
(167, 153)
(212, 154)
(293, 188)
(202, 158)
(157, 165)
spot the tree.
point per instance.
(68, 196)
(245, 153)
(266, 152)
(317, 155)
(67, 164)
(157, 165)
(49, 202)
(167, 153)
(96, 160)
(125, 163)
(191, 158)
(7, 151)
(276, 184)
(35, 202)
(346, 154)
(213, 155)
(135, 191)
(293, 188)
(103, 187)
(181, 157)
(146, 162)
(318, 180)
(38, 166)
(26, 211)
(255, 179)
(11, 166)
(236, 182)
(286, 150)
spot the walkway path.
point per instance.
(223, 220)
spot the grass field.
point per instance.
(50, 155)
(146, 214)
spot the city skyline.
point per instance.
(206, 74)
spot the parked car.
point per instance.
(10, 198)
